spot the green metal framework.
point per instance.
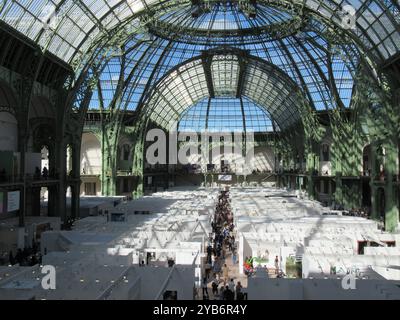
(158, 58)
(80, 24)
(224, 73)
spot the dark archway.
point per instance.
(381, 204)
(367, 161)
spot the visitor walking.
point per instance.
(232, 285)
(276, 265)
(239, 294)
(225, 272)
(234, 258)
(205, 289)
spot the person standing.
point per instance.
(11, 258)
(239, 295)
(232, 285)
(225, 272)
(234, 258)
(222, 292)
(276, 265)
(209, 251)
(215, 286)
(205, 289)
(45, 173)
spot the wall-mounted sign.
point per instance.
(225, 177)
(13, 198)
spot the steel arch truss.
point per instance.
(192, 81)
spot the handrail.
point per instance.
(157, 297)
(104, 295)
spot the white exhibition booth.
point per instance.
(130, 258)
(273, 222)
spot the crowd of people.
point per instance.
(44, 174)
(29, 256)
(226, 291)
(358, 212)
(222, 243)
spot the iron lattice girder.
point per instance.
(242, 72)
(163, 49)
(143, 24)
(207, 60)
(194, 35)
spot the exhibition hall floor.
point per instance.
(127, 250)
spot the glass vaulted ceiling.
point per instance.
(261, 82)
(69, 28)
(305, 59)
(226, 114)
(323, 71)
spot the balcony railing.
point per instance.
(91, 171)
(6, 179)
(92, 124)
(124, 173)
(12, 179)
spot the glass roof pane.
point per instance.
(72, 25)
(225, 114)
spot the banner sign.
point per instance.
(225, 177)
(13, 201)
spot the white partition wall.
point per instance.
(91, 154)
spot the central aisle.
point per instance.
(222, 268)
